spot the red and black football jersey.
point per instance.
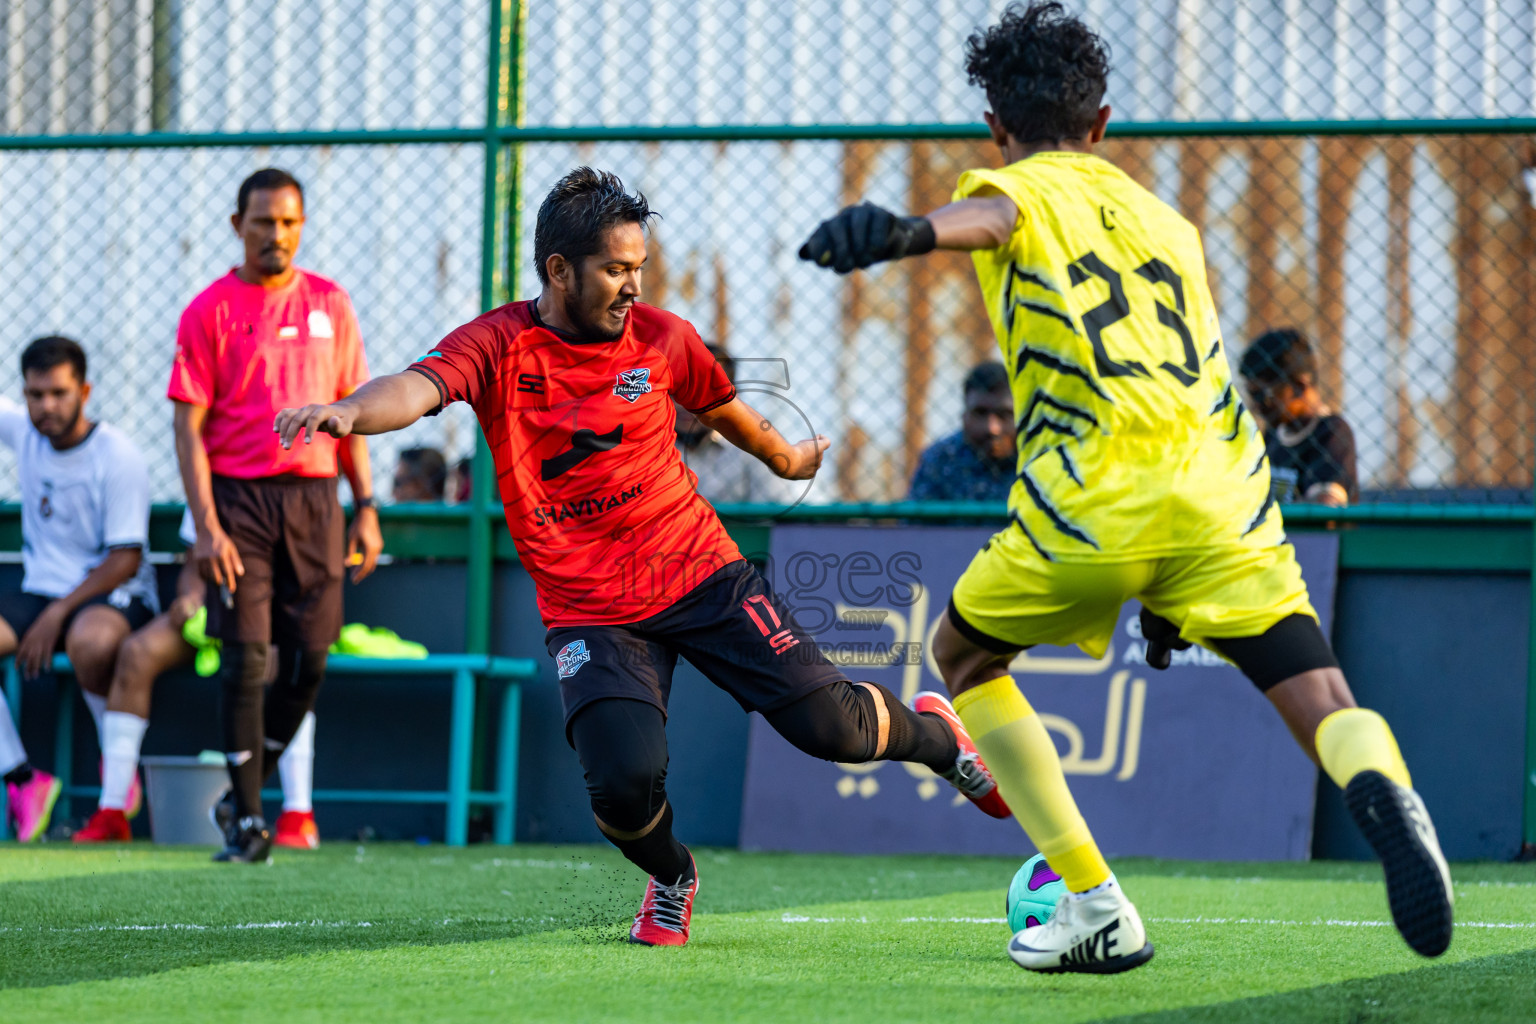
(599, 503)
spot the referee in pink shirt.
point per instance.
(266, 336)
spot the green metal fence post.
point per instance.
(477, 612)
(1528, 784)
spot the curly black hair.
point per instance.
(578, 211)
(1280, 354)
(1043, 71)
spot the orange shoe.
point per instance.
(666, 912)
(107, 825)
(969, 775)
(296, 830)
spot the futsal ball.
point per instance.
(1033, 894)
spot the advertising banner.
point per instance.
(1191, 762)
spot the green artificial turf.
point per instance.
(386, 933)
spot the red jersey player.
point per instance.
(574, 391)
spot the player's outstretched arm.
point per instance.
(378, 407)
(749, 430)
(861, 236)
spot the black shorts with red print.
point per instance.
(731, 628)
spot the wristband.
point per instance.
(913, 236)
(362, 503)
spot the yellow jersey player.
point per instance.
(1140, 476)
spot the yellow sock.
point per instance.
(1019, 753)
(1353, 740)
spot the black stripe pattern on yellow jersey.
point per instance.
(1263, 457)
(1030, 537)
(1237, 420)
(1222, 402)
(1043, 424)
(1215, 348)
(1031, 425)
(1066, 464)
(1258, 519)
(1056, 364)
(1057, 519)
(1013, 302)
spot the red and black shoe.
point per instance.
(107, 825)
(664, 916)
(969, 775)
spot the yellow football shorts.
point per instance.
(1016, 597)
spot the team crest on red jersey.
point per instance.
(633, 383)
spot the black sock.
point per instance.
(241, 674)
(658, 853)
(290, 697)
(20, 775)
(925, 739)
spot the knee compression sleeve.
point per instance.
(241, 672)
(856, 722)
(1019, 753)
(622, 745)
(1290, 647)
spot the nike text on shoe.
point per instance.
(665, 913)
(1101, 934)
(246, 842)
(1398, 828)
(969, 775)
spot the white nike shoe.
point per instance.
(1100, 934)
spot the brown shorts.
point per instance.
(291, 537)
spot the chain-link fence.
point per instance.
(1402, 251)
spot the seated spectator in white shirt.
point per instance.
(976, 462)
(87, 582)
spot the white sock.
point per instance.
(297, 768)
(12, 754)
(1108, 885)
(98, 705)
(121, 736)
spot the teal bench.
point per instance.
(463, 670)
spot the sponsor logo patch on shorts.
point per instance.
(571, 657)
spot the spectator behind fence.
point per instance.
(461, 482)
(268, 526)
(86, 580)
(724, 472)
(1311, 449)
(421, 474)
(977, 462)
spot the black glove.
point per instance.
(863, 235)
(1162, 638)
